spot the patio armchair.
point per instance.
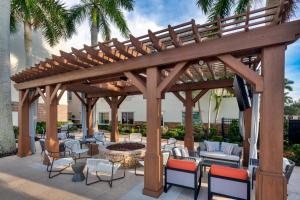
(57, 165)
(104, 167)
(140, 161)
(74, 148)
(135, 137)
(171, 142)
(183, 173)
(183, 154)
(228, 182)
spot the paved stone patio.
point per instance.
(26, 178)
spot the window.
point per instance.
(69, 95)
(127, 118)
(103, 118)
(196, 118)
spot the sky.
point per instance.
(158, 14)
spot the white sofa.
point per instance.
(218, 156)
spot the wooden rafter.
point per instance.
(80, 98)
(139, 46)
(72, 60)
(42, 94)
(199, 95)
(196, 33)
(211, 70)
(243, 70)
(175, 38)
(157, 43)
(84, 57)
(123, 49)
(138, 82)
(108, 52)
(96, 55)
(178, 95)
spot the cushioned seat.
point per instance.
(219, 155)
(229, 172)
(182, 164)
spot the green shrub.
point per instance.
(16, 131)
(234, 135)
(40, 127)
(106, 127)
(296, 151)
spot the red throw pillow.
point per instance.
(229, 172)
(182, 164)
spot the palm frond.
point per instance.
(242, 6)
(104, 28)
(221, 9)
(204, 5)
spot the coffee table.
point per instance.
(78, 168)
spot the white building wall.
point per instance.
(172, 108)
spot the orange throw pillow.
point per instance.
(182, 164)
(229, 172)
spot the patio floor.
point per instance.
(26, 178)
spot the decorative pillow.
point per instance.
(227, 148)
(182, 164)
(185, 152)
(237, 150)
(177, 152)
(212, 146)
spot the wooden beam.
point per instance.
(178, 69)
(24, 96)
(196, 33)
(256, 39)
(108, 100)
(41, 94)
(157, 43)
(211, 70)
(243, 70)
(188, 121)
(120, 100)
(81, 99)
(64, 62)
(199, 95)
(54, 93)
(181, 98)
(84, 57)
(108, 52)
(123, 49)
(175, 38)
(137, 81)
(139, 46)
(96, 55)
(63, 89)
(71, 59)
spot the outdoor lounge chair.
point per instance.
(228, 182)
(104, 167)
(183, 154)
(135, 137)
(183, 173)
(57, 165)
(140, 161)
(73, 146)
(171, 143)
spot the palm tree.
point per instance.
(100, 13)
(288, 88)
(48, 16)
(223, 8)
(7, 139)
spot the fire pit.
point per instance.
(128, 150)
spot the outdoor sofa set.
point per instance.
(184, 168)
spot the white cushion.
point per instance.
(177, 152)
(285, 163)
(227, 148)
(185, 152)
(219, 155)
(102, 166)
(62, 162)
(62, 135)
(212, 146)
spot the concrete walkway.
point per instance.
(26, 178)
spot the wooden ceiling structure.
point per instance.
(177, 59)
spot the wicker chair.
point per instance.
(104, 167)
(57, 165)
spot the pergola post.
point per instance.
(189, 138)
(114, 120)
(51, 102)
(271, 183)
(114, 103)
(89, 117)
(153, 180)
(24, 139)
(246, 144)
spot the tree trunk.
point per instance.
(219, 107)
(28, 44)
(94, 35)
(209, 111)
(7, 138)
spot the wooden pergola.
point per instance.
(179, 59)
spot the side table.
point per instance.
(78, 168)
